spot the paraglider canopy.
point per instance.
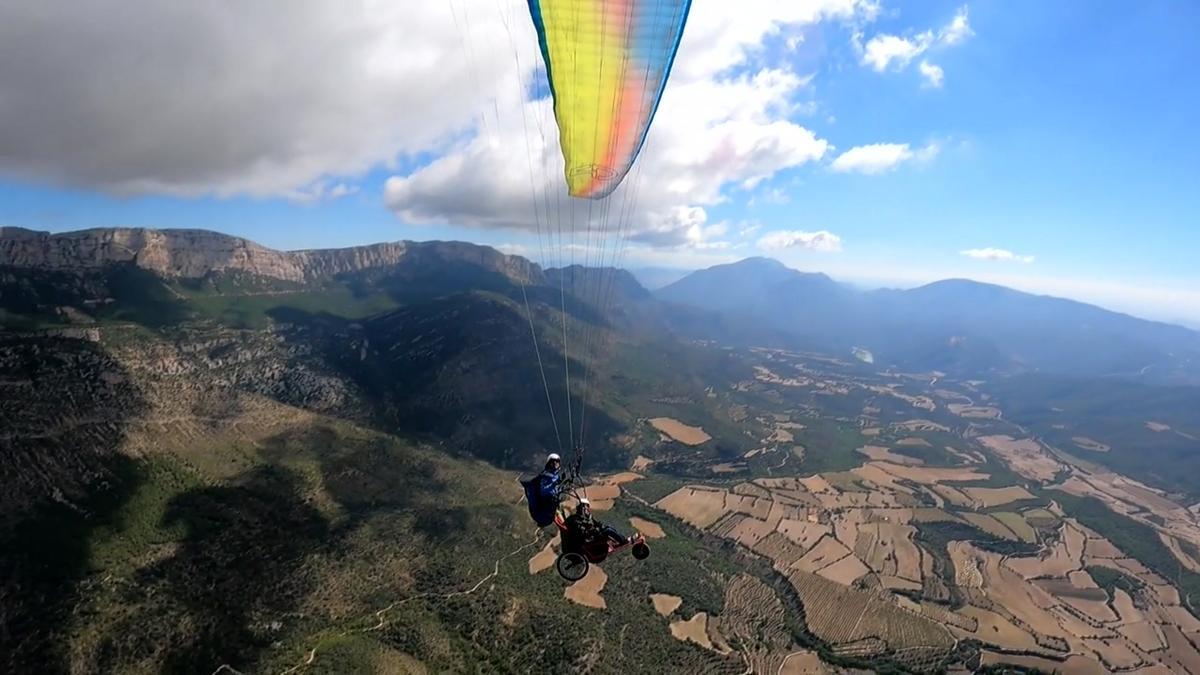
(607, 62)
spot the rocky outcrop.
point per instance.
(171, 253)
(197, 253)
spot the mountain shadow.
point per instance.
(64, 410)
(375, 476)
(463, 369)
(30, 298)
(238, 567)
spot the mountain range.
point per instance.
(179, 404)
(429, 337)
(957, 326)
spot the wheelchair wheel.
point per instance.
(571, 566)
(641, 551)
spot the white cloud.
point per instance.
(514, 249)
(958, 30)
(885, 52)
(321, 191)
(189, 100)
(721, 35)
(882, 157)
(722, 125)
(822, 240)
(933, 74)
(997, 254)
(928, 152)
(710, 142)
(882, 51)
(264, 98)
(683, 227)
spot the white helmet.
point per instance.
(584, 501)
(553, 457)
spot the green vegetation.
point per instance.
(1135, 539)
(138, 523)
(1110, 580)
(669, 379)
(829, 445)
(935, 537)
(680, 564)
(933, 455)
(848, 482)
(37, 298)
(654, 487)
(1114, 412)
(255, 311)
(380, 552)
(714, 561)
(1017, 523)
(1041, 518)
(327, 526)
(16, 322)
(46, 559)
(999, 475)
(1189, 549)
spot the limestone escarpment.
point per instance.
(197, 253)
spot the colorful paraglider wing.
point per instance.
(607, 62)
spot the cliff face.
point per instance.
(196, 253)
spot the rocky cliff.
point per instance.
(196, 253)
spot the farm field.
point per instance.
(587, 590)
(679, 431)
(650, 529)
(989, 497)
(665, 604)
(694, 630)
(948, 527)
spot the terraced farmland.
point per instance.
(870, 623)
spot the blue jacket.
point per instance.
(541, 492)
(548, 484)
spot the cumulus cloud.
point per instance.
(933, 74)
(882, 51)
(296, 99)
(683, 226)
(723, 124)
(958, 30)
(722, 35)
(263, 98)
(996, 254)
(879, 158)
(822, 240)
(885, 52)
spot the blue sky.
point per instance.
(1057, 141)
